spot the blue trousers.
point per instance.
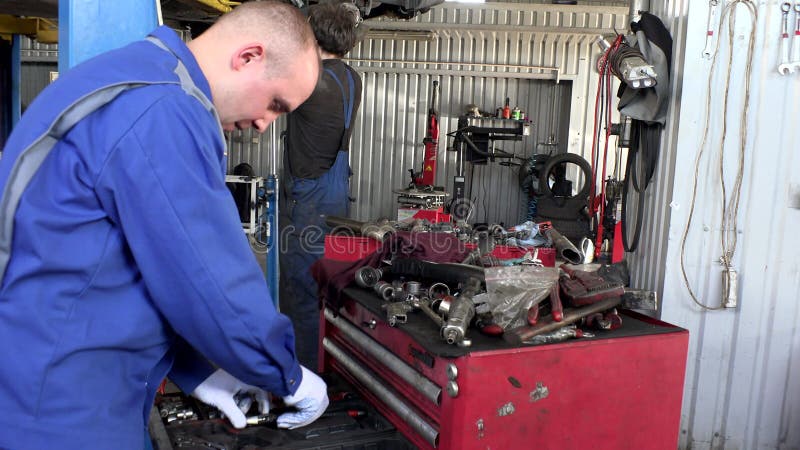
(305, 205)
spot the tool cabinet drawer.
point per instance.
(620, 389)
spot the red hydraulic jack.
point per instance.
(422, 196)
(431, 141)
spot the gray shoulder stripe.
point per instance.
(31, 158)
(183, 75)
(188, 85)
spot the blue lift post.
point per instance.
(273, 238)
(83, 32)
(89, 27)
(272, 235)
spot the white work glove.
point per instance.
(220, 390)
(310, 400)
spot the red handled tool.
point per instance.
(556, 308)
(431, 142)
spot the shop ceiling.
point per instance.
(39, 18)
(197, 10)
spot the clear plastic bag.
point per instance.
(513, 290)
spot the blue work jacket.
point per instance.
(127, 256)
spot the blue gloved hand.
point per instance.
(221, 389)
(311, 400)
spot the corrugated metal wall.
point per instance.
(540, 56)
(743, 376)
(38, 60)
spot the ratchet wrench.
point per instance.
(708, 51)
(795, 62)
(785, 67)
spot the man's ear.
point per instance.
(247, 55)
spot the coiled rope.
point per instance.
(730, 208)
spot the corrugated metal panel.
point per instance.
(742, 389)
(540, 56)
(33, 78)
(38, 60)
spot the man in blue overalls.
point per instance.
(317, 171)
(122, 259)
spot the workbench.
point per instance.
(620, 389)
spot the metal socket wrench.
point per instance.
(414, 288)
(385, 290)
(462, 310)
(368, 277)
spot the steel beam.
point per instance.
(42, 30)
(219, 6)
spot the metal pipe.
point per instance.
(638, 6)
(423, 306)
(461, 312)
(392, 401)
(425, 387)
(372, 230)
(565, 248)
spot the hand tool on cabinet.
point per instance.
(785, 67)
(560, 335)
(384, 289)
(547, 324)
(795, 62)
(708, 51)
(582, 288)
(461, 312)
(608, 320)
(397, 312)
(556, 307)
(484, 322)
(425, 308)
(368, 277)
(533, 314)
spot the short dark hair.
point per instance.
(278, 23)
(335, 25)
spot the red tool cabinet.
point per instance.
(621, 389)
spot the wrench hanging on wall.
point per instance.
(708, 51)
(795, 62)
(785, 67)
